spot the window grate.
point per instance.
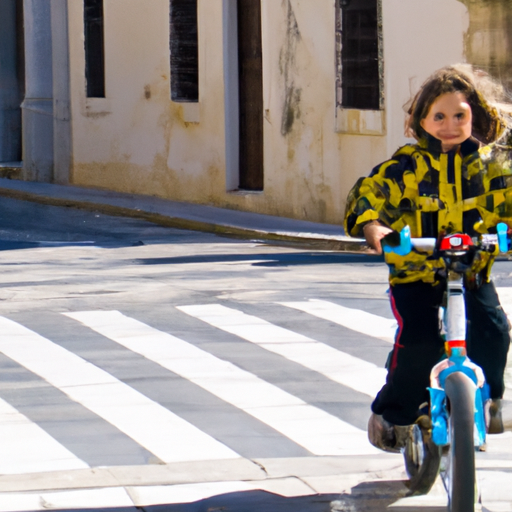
(94, 48)
(184, 51)
(359, 55)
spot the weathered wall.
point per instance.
(419, 38)
(303, 154)
(137, 140)
(489, 38)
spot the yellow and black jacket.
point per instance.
(463, 191)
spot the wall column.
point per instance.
(10, 113)
(61, 92)
(231, 96)
(38, 104)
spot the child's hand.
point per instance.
(374, 232)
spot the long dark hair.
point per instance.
(488, 123)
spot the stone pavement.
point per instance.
(325, 484)
(186, 215)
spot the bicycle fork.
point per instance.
(454, 322)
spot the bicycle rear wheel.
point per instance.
(459, 476)
(422, 459)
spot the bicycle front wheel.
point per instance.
(459, 475)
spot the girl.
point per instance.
(455, 179)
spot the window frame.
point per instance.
(357, 120)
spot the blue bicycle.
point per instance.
(443, 441)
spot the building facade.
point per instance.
(269, 106)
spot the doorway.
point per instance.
(12, 79)
(250, 93)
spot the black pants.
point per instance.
(419, 345)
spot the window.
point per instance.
(184, 52)
(359, 55)
(94, 48)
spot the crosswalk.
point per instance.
(155, 410)
(163, 433)
(310, 427)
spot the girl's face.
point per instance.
(449, 120)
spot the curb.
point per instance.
(309, 240)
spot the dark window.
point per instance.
(184, 54)
(359, 54)
(94, 48)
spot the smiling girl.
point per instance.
(453, 180)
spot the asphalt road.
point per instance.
(102, 304)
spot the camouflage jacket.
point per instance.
(466, 190)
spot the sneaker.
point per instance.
(494, 418)
(424, 422)
(385, 435)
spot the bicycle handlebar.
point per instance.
(405, 243)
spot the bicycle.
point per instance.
(444, 440)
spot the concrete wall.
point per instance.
(419, 37)
(137, 140)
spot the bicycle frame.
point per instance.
(455, 327)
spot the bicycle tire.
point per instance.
(460, 480)
(422, 461)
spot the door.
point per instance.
(250, 81)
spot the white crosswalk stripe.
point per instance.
(338, 366)
(354, 319)
(308, 426)
(162, 432)
(25, 447)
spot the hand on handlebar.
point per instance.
(454, 244)
(374, 232)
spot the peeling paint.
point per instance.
(291, 109)
(287, 64)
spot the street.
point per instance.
(171, 370)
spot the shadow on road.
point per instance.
(365, 497)
(268, 259)
(13, 245)
(381, 496)
(253, 501)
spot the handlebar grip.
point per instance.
(501, 230)
(401, 243)
(404, 246)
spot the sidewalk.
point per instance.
(186, 215)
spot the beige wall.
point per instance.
(139, 141)
(489, 38)
(419, 37)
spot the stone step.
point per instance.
(11, 170)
